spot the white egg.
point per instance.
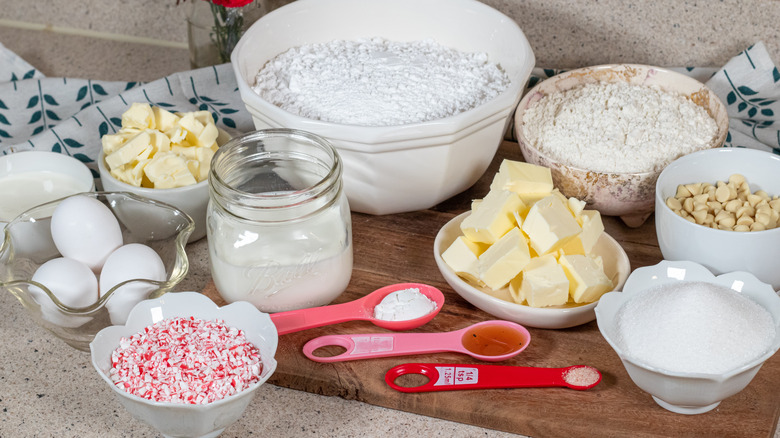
(84, 229)
(72, 282)
(129, 262)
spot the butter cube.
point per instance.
(463, 257)
(592, 229)
(130, 150)
(168, 170)
(587, 280)
(139, 115)
(504, 259)
(131, 173)
(521, 177)
(543, 283)
(549, 225)
(191, 124)
(159, 141)
(112, 142)
(208, 136)
(164, 120)
(576, 206)
(492, 217)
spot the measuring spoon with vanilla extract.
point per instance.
(361, 309)
(490, 341)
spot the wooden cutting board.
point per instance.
(399, 248)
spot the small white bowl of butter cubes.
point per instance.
(527, 253)
(163, 156)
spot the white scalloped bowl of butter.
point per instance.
(125, 160)
(405, 166)
(500, 303)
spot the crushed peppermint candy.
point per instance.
(186, 360)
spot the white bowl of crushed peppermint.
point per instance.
(185, 366)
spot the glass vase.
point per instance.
(213, 31)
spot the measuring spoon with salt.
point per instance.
(453, 377)
(361, 309)
(491, 341)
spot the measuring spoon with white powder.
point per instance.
(397, 307)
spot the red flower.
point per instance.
(231, 3)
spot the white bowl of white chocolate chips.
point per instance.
(163, 156)
(528, 254)
(742, 205)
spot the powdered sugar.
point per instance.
(186, 360)
(376, 82)
(694, 327)
(617, 127)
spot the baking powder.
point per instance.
(403, 305)
(617, 127)
(376, 82)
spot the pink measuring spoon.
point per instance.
(490, 341)
(361, 309)
(454, 377)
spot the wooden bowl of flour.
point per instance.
(606, 132)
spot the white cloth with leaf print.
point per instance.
(70, 115)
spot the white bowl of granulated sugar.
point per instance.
(669, 330)
(415, 105)
(607, 132)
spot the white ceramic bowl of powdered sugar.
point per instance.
(416, 105)
(608, 131)
(689, 338)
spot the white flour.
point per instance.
(375, 82)
(617, 127)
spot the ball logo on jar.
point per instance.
(271, 277)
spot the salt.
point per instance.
(403, 305)
(376, 82)
(694, 327)
(581, 376)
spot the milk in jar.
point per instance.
(279, 226)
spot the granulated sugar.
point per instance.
(376, 82)
(694, 327)
(617, 127)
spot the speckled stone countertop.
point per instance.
(49, 389)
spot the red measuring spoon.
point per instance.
(453, 377)
(361, 309)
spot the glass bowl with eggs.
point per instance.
(80, 263)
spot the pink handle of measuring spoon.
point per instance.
(453, 377)
(297, 320)
(375, 345)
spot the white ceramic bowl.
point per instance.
(628, 195)
(31, 178)
(175, 419)
(192, 200)
(499, 303)
(757, 252)
(686, 393)
(402, 168)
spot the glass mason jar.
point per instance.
(278, 221)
